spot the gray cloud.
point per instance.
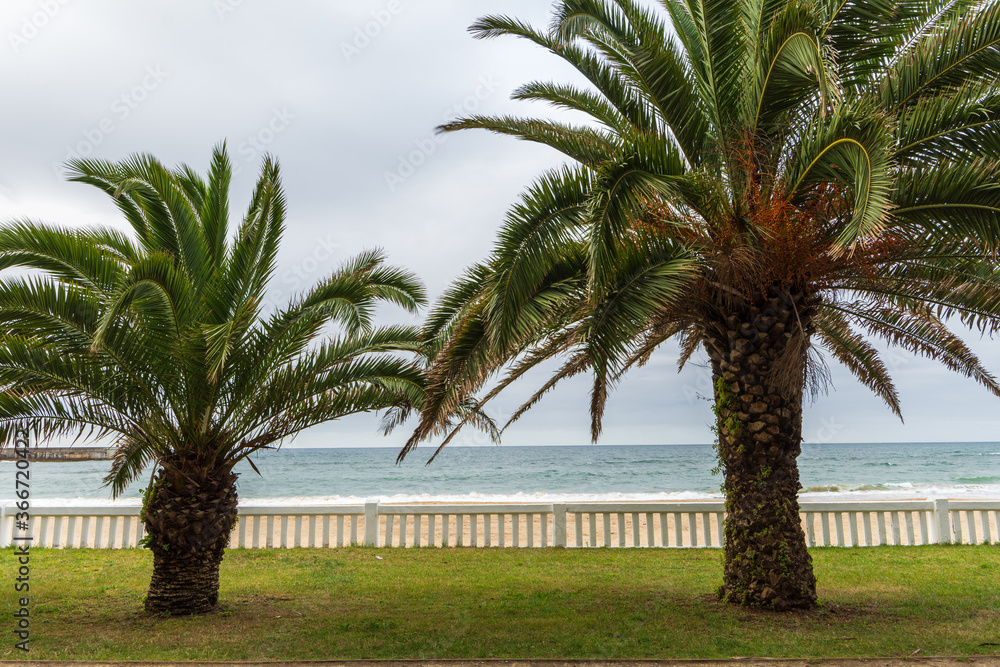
(347, 96)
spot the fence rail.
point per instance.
(649, 524)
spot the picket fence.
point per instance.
(645, 524)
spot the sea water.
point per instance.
(545, 474)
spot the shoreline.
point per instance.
(592, 473)
(519, 498)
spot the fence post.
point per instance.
(371, 524)
(942, 521)
(559, 525)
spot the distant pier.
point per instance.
(62, 454)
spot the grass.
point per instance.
(504, 603)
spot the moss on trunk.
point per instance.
(758, 360)
(189, 514)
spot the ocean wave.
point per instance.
(545, 475)
(83, 502)
(484, 498)
(813, 493)
(402, 498)
(900, 490)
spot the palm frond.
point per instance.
(857, 355)
(583, 144)
(966, 51)
(836, 158)
(851, 148)
(161, 343)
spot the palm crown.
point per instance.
(165, 341)
(755, 178)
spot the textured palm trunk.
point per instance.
(759, 422)
(188, 516)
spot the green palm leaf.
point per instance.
(160, 343)
(761, 179)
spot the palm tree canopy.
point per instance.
(165, 338)
(838, 154)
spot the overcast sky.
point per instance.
(346, 94)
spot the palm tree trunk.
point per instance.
(758, 358)
(189, 514)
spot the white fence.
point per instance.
(649, 524)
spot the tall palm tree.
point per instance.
(165, 340)
(760, 180)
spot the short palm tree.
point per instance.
(163, 340)
(760, 180)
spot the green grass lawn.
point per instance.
(507, 603)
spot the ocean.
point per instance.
(546, 474)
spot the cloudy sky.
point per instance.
(346, 94)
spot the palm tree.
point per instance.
(760, 180)
(164, 340)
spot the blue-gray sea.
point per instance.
(588, 472)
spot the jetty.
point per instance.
(61, 454)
